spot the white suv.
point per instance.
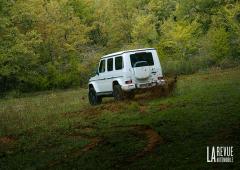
(121, 74)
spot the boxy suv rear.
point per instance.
(121, 74)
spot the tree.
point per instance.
(179, 39)
(144, 32)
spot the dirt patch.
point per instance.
(91, 111)
(71, 113)
(76, 152)
(153, 139)
(86, 129)
(164, 107)
(152, 136)
(6, 143)
(143, 109)
(113, 107)
(205, 78)
(7, 140)
(94, 141)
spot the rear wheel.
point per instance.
(118, 93)
(93, 98)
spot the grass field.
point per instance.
(59, 130)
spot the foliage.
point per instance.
(144, 31)
(179, 39)
(217, 39)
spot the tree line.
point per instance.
(46, 44)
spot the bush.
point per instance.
(190, 66)
(216, 44)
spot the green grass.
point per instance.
(56, 130)
(39, 111)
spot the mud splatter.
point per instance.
(162, 91)
(169, 87)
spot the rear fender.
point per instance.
(119, 81)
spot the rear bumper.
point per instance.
(130, 87)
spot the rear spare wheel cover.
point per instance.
(141, 72)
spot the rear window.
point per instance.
(141, 59)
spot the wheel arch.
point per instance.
(90, 86)
(118, 81)
(93, 85)
(115, 82)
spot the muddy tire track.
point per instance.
(152, 136)
(94, 141)
(153, 140)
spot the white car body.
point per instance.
(141, 68)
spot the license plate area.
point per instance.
(146, 85)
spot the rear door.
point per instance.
(101, 81)
(143, 66)
(109, 75)
(114, 71)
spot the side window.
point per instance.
(118, 63)
(110, 64)
(102, 66)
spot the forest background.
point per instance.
(52, 44)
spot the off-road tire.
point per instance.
(118, 93)
(93, 98)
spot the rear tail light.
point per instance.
(128, 82)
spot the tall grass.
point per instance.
(195, 64)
